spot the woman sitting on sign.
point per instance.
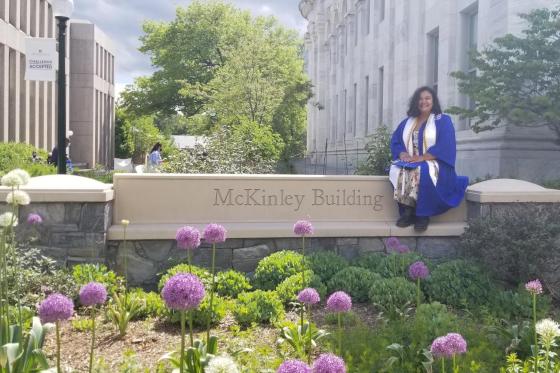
(423, 169)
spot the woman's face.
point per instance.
(425, 103)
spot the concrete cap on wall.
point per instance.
(65, 188)
(511, 190)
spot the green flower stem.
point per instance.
(303, 261)
(417, 292)
(182, 353)
(92, 339)
(58, 369)
(191, 327)
(536, 351)
(211, 293)
(3, 277)
(442, 365)
(547, 360)
(125, 259)
(455, 363)
(310, 336)
(339, 314)
(189, 259)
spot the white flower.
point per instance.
(222, 364)
(11, 180)
(8, 219)
(23, 175)
(548, 330)
(18, 197)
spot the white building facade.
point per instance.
(365, 58)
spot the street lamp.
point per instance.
(62, 10)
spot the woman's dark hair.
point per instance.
(413, 110)
(157, 146)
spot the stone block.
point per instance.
(288, 243)
(94, 246)
(140, 270)
(247, 258)
(53, 252)
(349, 252)
(62, 228)
(323, 243)
(370, 245)
(52, 213)
(155, 250)
(250, 242)
(72, 213)
(438, 248)
(345, 241)
(68, 239)
(203, 258)
(95, 217)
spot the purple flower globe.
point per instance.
(187, 238)
(34, 219)
(56, 307)
(329, 363)
(392, 243)
(215, 233)
(92, 294)
(534, 287)
(303, 228)
(402, 249)
(339, 301)
(456, 344)
(183, 292)
(440, 348)
(418, 270)
(293, 366)
(309, 296)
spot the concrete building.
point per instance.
(92, 100)
(366, 57)
(28, 109)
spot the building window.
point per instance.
(366, 105)
(354, 114)
(344, 98)
(23, 16)
(335, 117)
(471, 46)
(344, 8)
(356, 28)
(367, 16)
(32, 18)
(380, 88)
(433, 58)
(381, 10)
(13, 13)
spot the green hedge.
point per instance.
(19, 155)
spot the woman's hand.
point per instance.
(404, 156)
(416, 158)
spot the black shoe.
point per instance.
(407, 218)
(421, 223)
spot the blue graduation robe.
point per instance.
(449, 190)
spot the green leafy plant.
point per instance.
(391, 295)
(396, 265)
(302, 338)
(202, 274)
(378, 158)
(82, 325)
(231, 283)
(201, 314)
(326, 264)
(258, 307)
(275, 268)
(196, 357)
(151, 304)
(374, 262)
(86, 273)
(353, 280)
(122, 309)
(288, 289)
(19, 155)
(459, 283)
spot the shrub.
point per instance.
(258, 307)
(378, 151)
(85, 273)
(347, 318)
(200, 315)
(275, 268)
(19, 155)
(518, 305)
(396, 265)
(326, 263)
(392, 294)
(353, 280)
(289, 288)
(202, 273)
(430, 321)
(373, 262)
(152, 304)
(459, 283)
(230, 283)
(516, 246)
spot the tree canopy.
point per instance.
(518, 78)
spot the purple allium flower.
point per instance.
(56, 307)
(418, 270)
(402, 249)
(215, 233)
(440, 348)
(456, 344)
(309, 296)
(329, 363)
(534, 287)
(34, 219)
(392, 243)
(339, 301)
(303, 228)
(294, 366)
(188, 238)
(183, 292)
(92, 294)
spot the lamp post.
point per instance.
(62, 10)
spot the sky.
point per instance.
(122, 21)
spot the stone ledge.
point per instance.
(511, 190)
(284, 230)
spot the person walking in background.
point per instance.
(53, 159)
(423, 174)
(154, 158)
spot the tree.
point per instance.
(518, 78)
